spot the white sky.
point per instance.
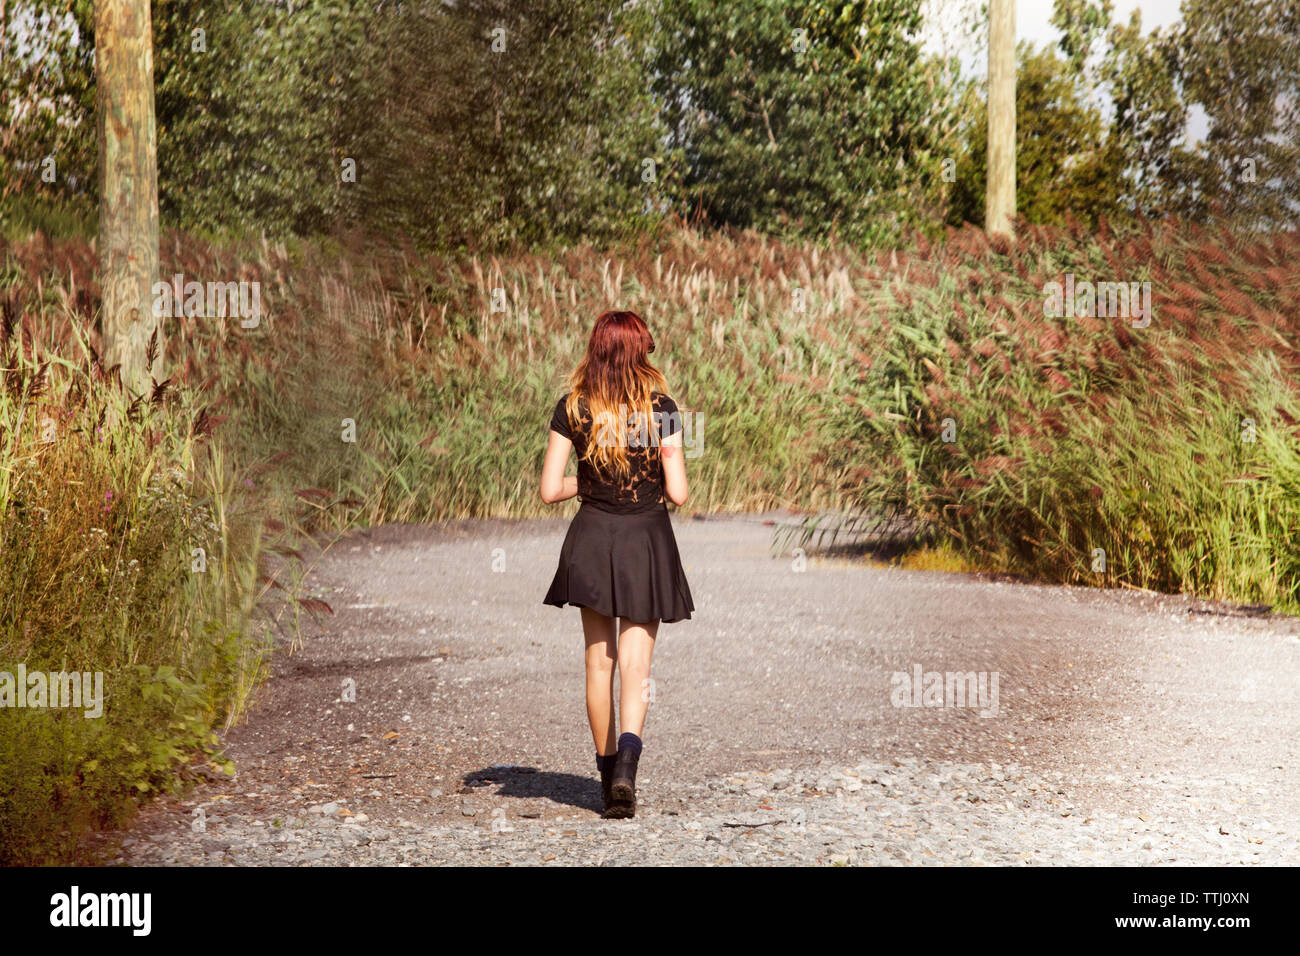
(946, 18)
(1032, 16)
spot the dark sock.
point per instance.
(605, 762)
(630, 742)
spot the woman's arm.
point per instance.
(556, 486)
(675, 486)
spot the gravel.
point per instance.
(1131, 729)
(906, 812)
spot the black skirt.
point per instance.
(622, 565)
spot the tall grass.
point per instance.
(1086, 449)
(451, 398)
(107, 500)
(823, 377)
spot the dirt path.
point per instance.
(1129, 728)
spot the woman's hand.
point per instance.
(556, 486)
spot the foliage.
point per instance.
(47, 109)
(1239, 60)
(1235, 61)
(259, 105)
(249, 97)
(806, 117)
(106, 498)
(66, 773)
(1171, 447)
(494, 122)
(1066, 163)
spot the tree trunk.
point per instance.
(1000, 192)
(128, 187)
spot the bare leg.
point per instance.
(636, 642)
(599, 632)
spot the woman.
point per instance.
(619, 558)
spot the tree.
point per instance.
(251, 98)
(1238, 62)
(1149, 116)
(1067, 162)
(47, 110)
(495, 121)
(128, 187)
(481, 122)
(806, 117)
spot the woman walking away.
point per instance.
(619, 558)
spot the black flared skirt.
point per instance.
(622, 565)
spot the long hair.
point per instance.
(616, 379)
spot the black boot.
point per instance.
(606, 779)
(622, 788)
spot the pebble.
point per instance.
(909, 812)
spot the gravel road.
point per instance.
(1127, 728)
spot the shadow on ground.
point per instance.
(530, 783)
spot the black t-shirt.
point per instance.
(643, 488)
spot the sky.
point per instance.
(1032, 16)
(1032, 23)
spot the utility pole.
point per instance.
(1000, 191)
(128, 186)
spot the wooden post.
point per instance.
(1000, 192)
(128, 186)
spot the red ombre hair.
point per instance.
(615, 371)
